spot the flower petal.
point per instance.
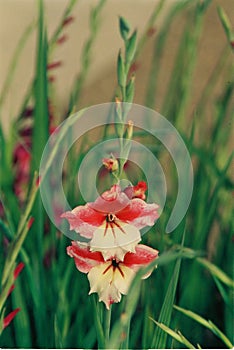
(85, 260)
(139, 213)
(111, 201)
(123, 279)
(100, 279)
(84, 220)
(115, 239)
(144, 255)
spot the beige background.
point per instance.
(16, 15)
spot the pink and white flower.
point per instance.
(112, 222)
(110, 278)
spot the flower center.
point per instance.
(115, 263)
(110, 218)
(112, 223)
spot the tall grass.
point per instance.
(187, 302)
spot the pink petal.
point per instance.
(144, 255)
(111, 201)
(84, 219)
(84, 258)
(7, 320)
(139, 213)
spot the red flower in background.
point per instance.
(7, 320)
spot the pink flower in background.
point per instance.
(112, 222)
(110, 278)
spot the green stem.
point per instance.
(107, 324)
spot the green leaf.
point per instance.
(177, 336)
(41, 117)
(208, 324)
(131, 47)
(216, 272)
(225, 22)
(121, 75)
(160, 337)
(124, 28)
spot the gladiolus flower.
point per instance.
(7, 320)
(112, 222)
(112, 277)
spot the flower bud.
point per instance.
(110, 164)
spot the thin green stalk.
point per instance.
(20, 234)
(107, 324)
(98, 325)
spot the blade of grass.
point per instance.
(160, 337)
(21, 233)
(216, 272)
(178, 336)
(208, 324)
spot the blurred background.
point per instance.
(99, 85)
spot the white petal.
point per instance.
(101, 281)
(118, 252)
(110, 295)
(100, 277)
(116, 240)
(123, 279)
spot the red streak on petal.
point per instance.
(121, 272)
(7, 320)
(121, 228)
(108, 268)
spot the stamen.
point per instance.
(112, 229)
(106, 228)
(120, 227)
(121, 272)
(108, 267)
